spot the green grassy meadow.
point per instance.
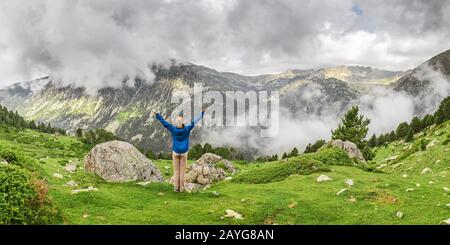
(280, 192)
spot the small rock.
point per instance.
(193, 187)
(71, 183)
(229, 213)
(409, 189)
(90, 188)
(322, 178)
(430, 182)
(85, 216)
(399, 214)
(59, 176)
(448, 205)
(215, 193)
(292, 205)
(4, 162)
(391, 158)
(228, 178)
(382, 166)
(70, 167)
(426, 171)
(446, 189)
(404, 175)
(243, 200)
(352, 199)
(341, 191)
(349, 182)
(144, 183)
(167, 167)
(160, 193)
(445, 222)
(417, 185)
(431, 144)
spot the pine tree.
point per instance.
(410, 135)
(79, 132)
(391, 137)
(160, 155)
(416, 125)
(443, 112)
(427, 120)
(274, 157)
(294, 152)
(284, 156)
(372, 141)
(353, 128)
(207, 148)
(150, 155)
(196, 151)
(402, 130)
(314, 147)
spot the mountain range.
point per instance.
(126, 110)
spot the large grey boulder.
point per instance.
(118, 161)
(349, 147)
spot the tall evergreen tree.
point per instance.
(353, 128)
(402, 130)
(294, 152)
(372, 141)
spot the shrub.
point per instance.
(19, 158)
(23, 198)
(332, 156)
(279, 171)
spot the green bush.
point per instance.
(332, 156)
(23, 198)
(304, 164)
(278, 171)
(19, 158)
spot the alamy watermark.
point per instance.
(231, 108)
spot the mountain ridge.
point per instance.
(125, 110)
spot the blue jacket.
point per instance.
(180, 136)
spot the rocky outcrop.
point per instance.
(348, 147)
(204, 174)
(118, 161)
(208, 169)
(210, 158)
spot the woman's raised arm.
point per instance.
(165, 123)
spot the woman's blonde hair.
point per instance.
(179, 122)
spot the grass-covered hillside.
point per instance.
(390, 189)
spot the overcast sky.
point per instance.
(99, 41)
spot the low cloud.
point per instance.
(385, 107)
(101, 43)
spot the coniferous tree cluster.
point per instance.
(13, 119)
(226, 152)
(405, 131)
(267, 158)
(314, 147)
(293, 153)
(95, 136)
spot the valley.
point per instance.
(395, 193)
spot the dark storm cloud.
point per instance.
(97, 43)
